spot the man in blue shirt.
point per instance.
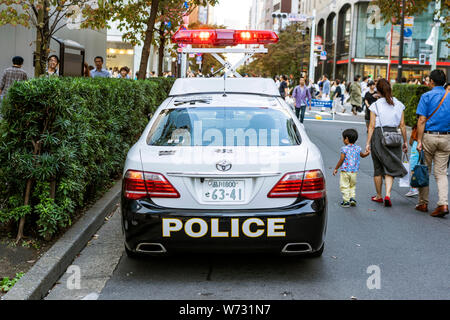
(99, 71)
(433, 137)
(326, 88)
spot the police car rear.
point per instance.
(217, 171)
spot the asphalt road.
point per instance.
(411, 250)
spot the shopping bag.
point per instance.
(420, 177)
(404, 181)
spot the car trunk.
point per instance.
(224, 177)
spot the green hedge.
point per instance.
(66, 138)
(409, 95)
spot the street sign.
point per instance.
(297, 17)
(318, 40)
(318, 47)
(191, 55)
(199, 59)
(407, 35)
(409, 21)
(323, 55)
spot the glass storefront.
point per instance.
(373, 38)
(379, 70)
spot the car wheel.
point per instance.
(318, 253)
(131, 254)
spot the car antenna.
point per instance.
(224, 80)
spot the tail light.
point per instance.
(307, 184)
(138, 185)
(224, 37)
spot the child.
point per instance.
(351, 155)
(413, 161)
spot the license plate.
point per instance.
(215, 190)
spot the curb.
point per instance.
(36, 283)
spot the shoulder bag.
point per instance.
(420, 177)
(389, 139)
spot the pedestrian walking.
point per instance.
(355, 94)
(370, 97)
(343, 97)
(387, 115)
(302, 98)
(349, 162)
(283, 87)
(11, 75)
(337, 99)
(99, 71)
(52, 66)
(413, 159)
(433, 137)
(326, 88)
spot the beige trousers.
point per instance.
(347, 185)
(436, 149)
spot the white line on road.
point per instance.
(339, 121)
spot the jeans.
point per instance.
(302, 115)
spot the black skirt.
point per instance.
(386, 160)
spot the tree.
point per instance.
(138, 18)
(49, 16)
(391, 11)
(287, 56)
(169, 19)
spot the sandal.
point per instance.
(387, 202)
(374, 198)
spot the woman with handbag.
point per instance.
(385, 142)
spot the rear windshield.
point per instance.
(219, 126)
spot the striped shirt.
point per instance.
(9, 76)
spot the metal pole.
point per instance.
(390, 53)
(400, 53)
(311, 53)
(434, 55)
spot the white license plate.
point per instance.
(223, 190)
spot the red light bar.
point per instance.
(224, 37)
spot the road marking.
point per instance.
(338, 121)
(91, 296)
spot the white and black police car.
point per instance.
(224, 165)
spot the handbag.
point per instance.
(404, 181)
(420, 177)
(390, 139)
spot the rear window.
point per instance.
(219, 126)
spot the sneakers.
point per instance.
(348, 204)
(412, 193)
(345, 204)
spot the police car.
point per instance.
(224, 165)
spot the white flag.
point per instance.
(430, 40)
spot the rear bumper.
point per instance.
(304, 222)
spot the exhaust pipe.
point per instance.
(150, 248)
(300, 247)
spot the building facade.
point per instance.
(357, 42)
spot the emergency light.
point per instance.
(224, 37)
